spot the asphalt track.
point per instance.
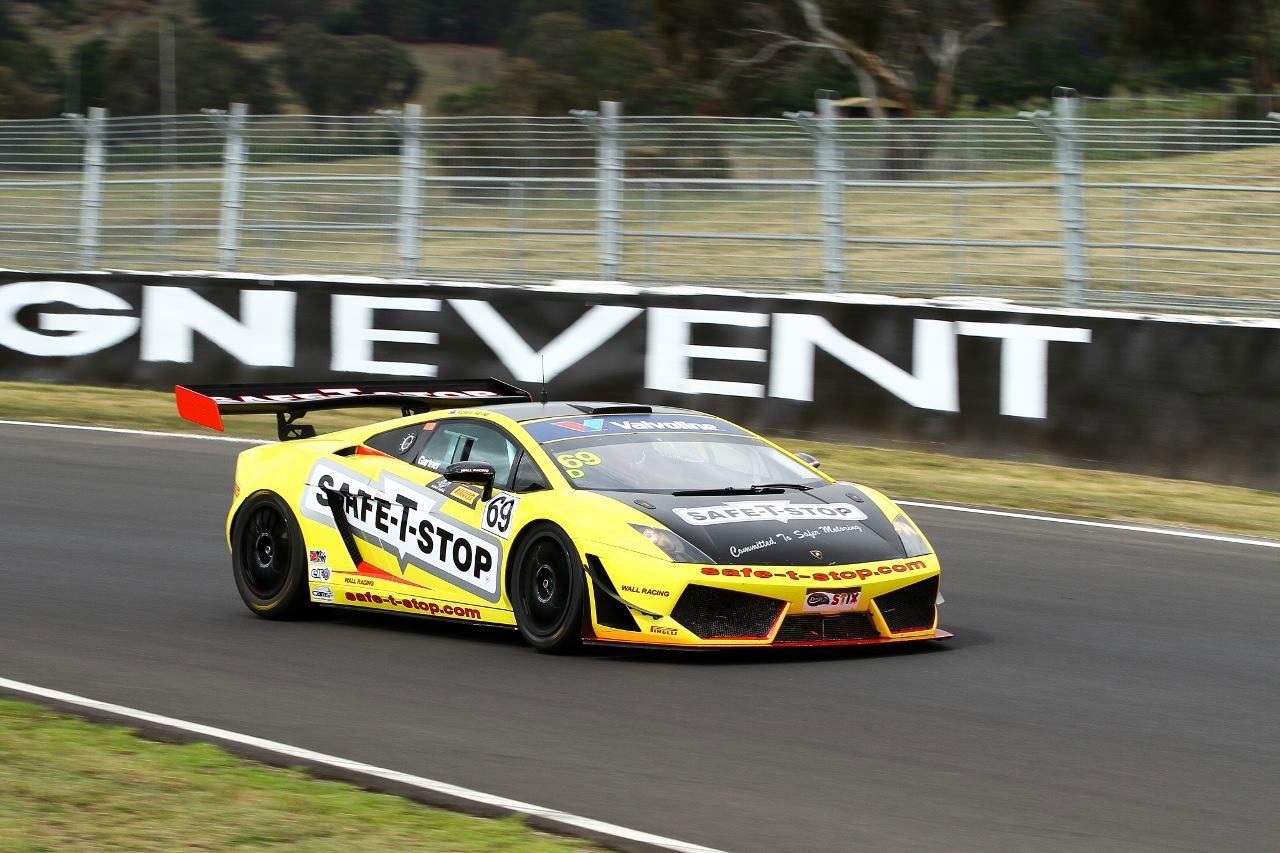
(1106, 690)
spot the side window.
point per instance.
(528, 477)
(469, 442)
(438, 449)
(399, 442)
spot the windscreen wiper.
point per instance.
(768, 489)
(801, 486)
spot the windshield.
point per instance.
(675, 462)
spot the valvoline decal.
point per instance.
(544, 431)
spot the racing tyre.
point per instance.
(547, 590)
(268, 558)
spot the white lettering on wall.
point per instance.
(171, 316)
(1024, 357)
(932, 384)
(668, 352)
(354, 334)
(83, 333)
(583, 337)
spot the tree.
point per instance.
(209, 73)
(881, 43)
(465, 21)
(1189, 28)
(19, 100)
(946, 30)
(245, 20)
(91, 66)
(345, 75)
(30, 79)
(615, 62)
(1062, 43)
(557, 41)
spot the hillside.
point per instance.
(445, 68)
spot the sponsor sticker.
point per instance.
(406, 520)
(498, 514)
(407, 441)
(831, 600)
(552, 430)
(322, 593)
(339, 393)
(659, 629)
(824, 576)
(465, 495)
(645, 590)
(315, 557)
(320, 573)
(430, 608)
(781, 511)
(461, 493)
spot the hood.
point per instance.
(831, 525)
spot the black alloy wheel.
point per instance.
(547, 590)
(268, 559)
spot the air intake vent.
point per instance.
(723, 614)
(609, 611)
(816, 628)
(911, 608)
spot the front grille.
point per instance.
(816, 628)
(911, 608)
(721, 614)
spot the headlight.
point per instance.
(672, 545)
(912, 541)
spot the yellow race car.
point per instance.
(606, 523)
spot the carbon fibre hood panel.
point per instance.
(830, 525)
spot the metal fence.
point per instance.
(1182, 214)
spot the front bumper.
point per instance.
(696, 606)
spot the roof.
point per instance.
(572, 409)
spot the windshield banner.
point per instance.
(642, 423)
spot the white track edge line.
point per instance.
(1112, 525)
(152, 432)
(455, 791)
(1082, 522)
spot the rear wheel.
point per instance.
(268, 558)
(547, 591)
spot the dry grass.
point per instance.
(70, 785)
(899, 472)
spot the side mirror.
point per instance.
(477, 473)
(809, 459)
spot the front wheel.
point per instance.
(268, 559)
(547, 591)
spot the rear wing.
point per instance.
(289, 401)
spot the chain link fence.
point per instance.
(1059, 208)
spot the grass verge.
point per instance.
(66, 784)
(1018, 485)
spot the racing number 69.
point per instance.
(572, 463)
(498, 514)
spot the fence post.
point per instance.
(93, 129)
(829, 173)
(606, 127)
(234, 155)
(408, 124)
(1068, 158)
